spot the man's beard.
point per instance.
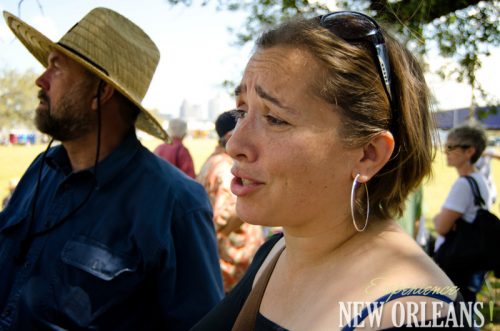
(69, 121)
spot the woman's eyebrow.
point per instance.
(261, 93)
(265, 95)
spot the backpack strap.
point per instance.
(478, 199)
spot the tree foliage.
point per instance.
(466, 36)
(17, 98)
(464, 30)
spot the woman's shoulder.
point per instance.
(406, 278)
(409, 266)
(400, 263)
(463, 182)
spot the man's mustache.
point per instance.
(43, 96)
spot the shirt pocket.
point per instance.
(97, 259)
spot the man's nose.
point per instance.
(42, 81)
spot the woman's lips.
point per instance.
(242, 185)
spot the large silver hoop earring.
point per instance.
(353, 201)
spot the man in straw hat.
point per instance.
(100, 233)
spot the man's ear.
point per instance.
(106, 93)
(376, 153)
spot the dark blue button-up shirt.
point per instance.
(130, 248)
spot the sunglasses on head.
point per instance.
(352, 27)
(450, 148)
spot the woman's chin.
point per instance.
(249, 215)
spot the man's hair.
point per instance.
(128, 110)
(225, 122)
(177, 128)
(349, 80)
(470, 135)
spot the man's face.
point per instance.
(66, 93)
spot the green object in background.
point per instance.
(413, 211)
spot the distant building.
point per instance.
(190, 112)
(201, 120)
(451, 118)
(214, 108)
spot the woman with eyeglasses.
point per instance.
(333, 133)
(464, 146)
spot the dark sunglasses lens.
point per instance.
(450, 148)
(348, 26)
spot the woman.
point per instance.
(464, 146)
(321, 116)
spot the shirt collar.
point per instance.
(176, 141)
(107, 169)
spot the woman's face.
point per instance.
(291, 168)
(457, 153)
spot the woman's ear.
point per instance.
(470, 152)
(106, 92)
(376, 153)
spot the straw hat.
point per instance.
(110, 46)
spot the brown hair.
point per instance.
(128, 110)
(473, 136)
(350, 81)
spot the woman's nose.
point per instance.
(241, 146)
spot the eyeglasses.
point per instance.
(450, 148)
(354, 26)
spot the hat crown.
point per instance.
(109, 45)
(116, 45)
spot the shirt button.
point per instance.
(27, 264)
(7, 311)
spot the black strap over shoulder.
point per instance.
(478, 199)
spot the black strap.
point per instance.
(245, 321)
(478, 199)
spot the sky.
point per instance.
(195, 47)
(196, 55)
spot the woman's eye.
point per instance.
(238, 113)
(275, 121)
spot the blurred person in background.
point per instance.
(483, 165)
(176, 153)
(237, 241)
(464, 146)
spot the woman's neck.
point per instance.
(304, 251)
(466, 169)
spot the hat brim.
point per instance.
(40, 47)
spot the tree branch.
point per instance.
(405, 11)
